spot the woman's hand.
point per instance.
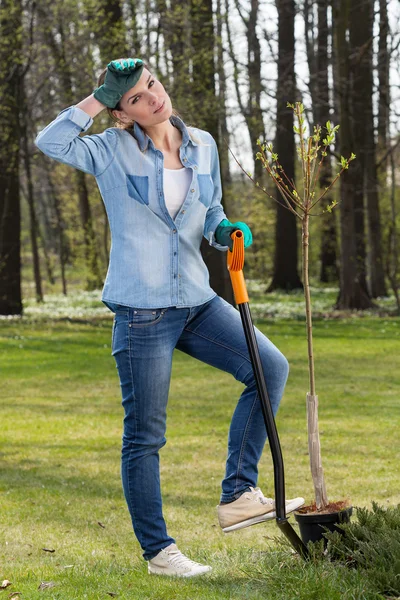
(121, 76)
(224, 230)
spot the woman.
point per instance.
(160, 183)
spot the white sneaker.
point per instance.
(250, 508)
(170, 561)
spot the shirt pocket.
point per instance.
(138, 188)
(206, 189)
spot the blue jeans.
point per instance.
(143, 341)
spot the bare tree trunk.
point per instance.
(383, 78)
(203, 67)
(392, 256)
(108, 25)
(285, 274)
(133, 30)
(30, 198)
(10, 94)
(312, 56)
(328, 255)
(223, 133)
(251, 109)
(358, 48)
(205, 104)
(361, 36)
(175, 26)
(353, 294)
(62, 246)
(58, 46)
(94, 279)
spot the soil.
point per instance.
(332, 507)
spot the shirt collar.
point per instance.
(143, 139)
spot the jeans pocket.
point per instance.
(145, 317)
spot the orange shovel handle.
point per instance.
(235, 262)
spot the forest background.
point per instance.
(230, 67)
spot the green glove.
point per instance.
(224, 230)
(121, 76)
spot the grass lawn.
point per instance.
(60, 486)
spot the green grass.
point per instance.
(60, 437)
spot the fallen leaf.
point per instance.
(112, 594)
(14, 596)
(48, 550)
(101, 524)
(5, 584)
(45, 585)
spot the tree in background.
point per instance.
(250, 108)
(11, 64)
(361, 20)
(67, 44)
(285, 270)
(353, 291)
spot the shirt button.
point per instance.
(183, 211)
(179, 275)
(195, 168)
(192, 190)
(185, 160)
(174, 231)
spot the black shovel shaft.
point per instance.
(279, 475)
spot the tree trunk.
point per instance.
(107, 23)
(312, 50)
(30, 197)
(358, 26)
(254, 116)
(383, 78)
(94, 279)
(328, 255)
(203, 67)
(60, 226)
(10, 93)
(223, 133)
(251, 110)
(58, 46)
(353, 294)
(361, 37)
(205, 103)
(175, 26)
(285, 274)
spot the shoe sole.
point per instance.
(166, 574)
(266, 517)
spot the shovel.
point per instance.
(235, 262)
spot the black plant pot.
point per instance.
(312, 526)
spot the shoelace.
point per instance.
(180, 561)
(260, 496)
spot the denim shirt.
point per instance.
(155, 261)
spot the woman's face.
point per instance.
(147, 102)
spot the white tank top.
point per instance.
(176, 186)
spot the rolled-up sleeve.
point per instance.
(61, 140)
(215, 213)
